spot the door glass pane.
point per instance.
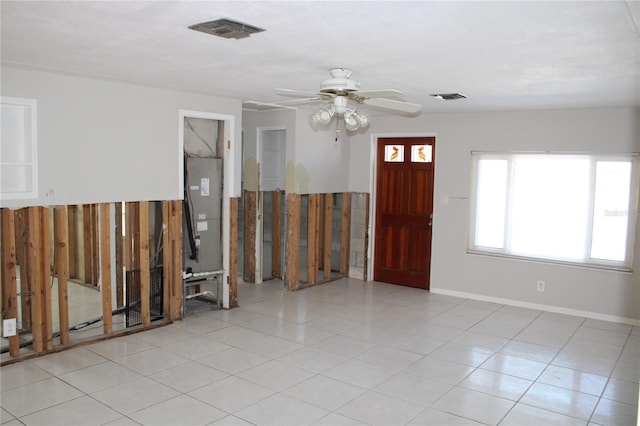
(394, 153)
(421, 153)
(611, 210)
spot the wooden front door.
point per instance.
(404, 208)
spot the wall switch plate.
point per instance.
(541, 285)
(9, 327)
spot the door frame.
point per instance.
(228, 181)
(259, 258)
(373, 176)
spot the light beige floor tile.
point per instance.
(119, 347)
(559, 400)
(313, 359)
(134, 395)
(333, 419)
(324, 392)
(525, 415)
(496, 384)
(37, 396)
(188, 376)
(233, 361)
(231, 421)
(576, 380)
(474, 405)
(270, 346)
(278, 410)
(414, 389)
(151, 361)
(66, 361)
(231, 394)
(514, 366)
(440, 370)
(276, 375)
(466, 355)
(359, 373)
(615, 413)
(621, 391)
(390, 357)
(481, 341)
(343, 346)
(418, 344)
(233, 335)
(195, 347)
(374, 408)
(19, 374)
(181, 410)
(435, 417)
(101, 376)
(80, 411)
(530, 351)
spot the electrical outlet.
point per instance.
(541, 285)
(9, 327)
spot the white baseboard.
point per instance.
(537, 306)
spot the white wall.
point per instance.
(315, 162)
(104, 141)
(605, 293)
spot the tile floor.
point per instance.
(342, 353)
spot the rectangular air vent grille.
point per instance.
(226, 28)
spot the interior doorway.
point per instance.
(404, 210)
(271, 152)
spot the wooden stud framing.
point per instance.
(176, 250)
(95, 246)
(105, 268)
(22, 251)
(233, 253)
(34, 273)
(8, 257)
(60, 225)
(328, 222)
(119, 255)
(145, 278)
(292, 254)
(312, 238)
(45, 259)
(71, 213)
(250, 221)
(276, 229)
(345, 234)
(172, 259)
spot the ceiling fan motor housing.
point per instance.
(339, 83)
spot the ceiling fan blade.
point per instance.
(380, 93)
(393, 105)
(297, 93)
(263, 106)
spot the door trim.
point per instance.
(228, 182)
(373, 176)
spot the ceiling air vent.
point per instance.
(448, 96)
(226, 28)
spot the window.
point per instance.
(18, 150)
(559, 207)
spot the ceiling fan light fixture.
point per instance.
(350, 122)
(323, 115)
(361, 118)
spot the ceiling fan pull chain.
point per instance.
(337, 129)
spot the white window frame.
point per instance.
(625, 265)
(29, 110)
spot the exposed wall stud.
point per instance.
(105, 267)
(60, 232)
(292, 248)
(8, 258)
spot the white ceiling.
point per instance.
(502, 55)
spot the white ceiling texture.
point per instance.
(501, 55)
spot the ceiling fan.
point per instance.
(340, 91)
